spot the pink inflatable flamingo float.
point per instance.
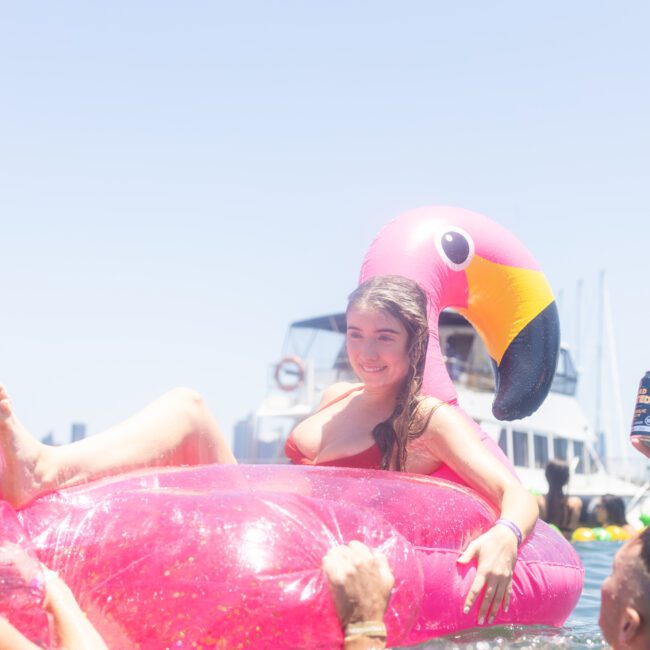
(229, 557)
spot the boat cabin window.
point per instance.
(467, 361)
(560, 448)
(578, 452)
(540, 444)
(566, 375)
(503, 441)
(456, 353)
(520, 448)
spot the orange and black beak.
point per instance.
(514, 312)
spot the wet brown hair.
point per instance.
(404, 300)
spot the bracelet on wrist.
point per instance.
(375, 629)
(508, 523)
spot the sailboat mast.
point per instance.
(578, 315)
(619, 426)
(599, 371)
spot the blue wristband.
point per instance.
(513, 527)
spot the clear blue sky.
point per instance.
(179, 180)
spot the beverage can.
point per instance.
(641, 419)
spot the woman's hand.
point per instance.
(496, 555)
(360, 582)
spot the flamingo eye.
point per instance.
(456, 247)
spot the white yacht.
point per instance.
(315, 357)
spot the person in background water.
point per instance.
(555, 507)
(382, 422)
(610, 511)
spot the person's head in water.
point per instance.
(625, 596)
(387, 338)
(610, 511)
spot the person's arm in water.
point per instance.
(360, 582)
(73, 630)
(451, 439)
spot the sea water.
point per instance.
(580, 632)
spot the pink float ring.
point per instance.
(218, 556)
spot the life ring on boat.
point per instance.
(293, 367)
(230, 556)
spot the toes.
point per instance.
(5, 406)
(5, 402)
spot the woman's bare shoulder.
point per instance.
(431, 402)
(429, 405)
(338, 389)
(432, 416)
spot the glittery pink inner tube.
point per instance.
(230, 556)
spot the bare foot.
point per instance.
(20, 458)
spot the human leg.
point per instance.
(176, 429)
(20, 456)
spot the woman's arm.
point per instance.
(453, 441)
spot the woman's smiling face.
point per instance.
(377, 344)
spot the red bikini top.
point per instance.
(367, 459)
